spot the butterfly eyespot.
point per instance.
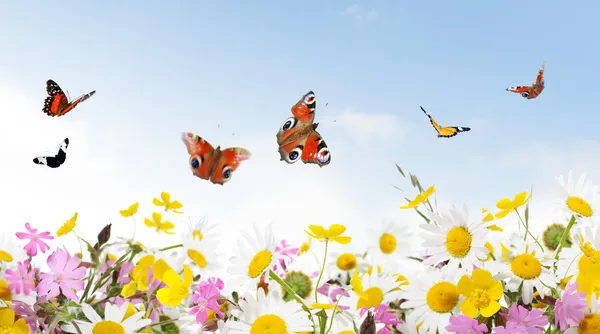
(295, 154)
(227, 172)
(525, 94)
(309, 98)
(323, 156)
(288, 124)
(195, 162)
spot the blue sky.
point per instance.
(191, 66)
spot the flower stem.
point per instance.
(171, 247)
(321, 273)
(565, 235)
(134, 227)
(527, 231)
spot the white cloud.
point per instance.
(359, 14)
(365, 125)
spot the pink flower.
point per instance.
(65, 276)
(382, 316)
(24, 311)
(35, 240)
(461, 324)
(124, 271)
(510, 328)
(285, 255)
(531, 320)
(569, 309)
(205, 299)
(20, 279)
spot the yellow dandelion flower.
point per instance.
(419, 199)
(68, 226)
(165, 201)
(130, 211)
(334, 233)
(160, 225)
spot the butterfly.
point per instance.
(533, 91)
(298, 139)
(57, 104)
(445, 131)
(57, 160)
(210, 163)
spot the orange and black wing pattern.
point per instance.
(57, 104)
(533, 91)
(445, 131)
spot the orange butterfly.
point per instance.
(533, 91)
(57, 104)
(298, 138)
(210, 163)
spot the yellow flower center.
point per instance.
(372, 298)
(259, 263)
(481, 298)
(5, 293)
(197, 235)
(108, 327)
(387, 243)
(579, 206)
(458, 241)
(346, 261)
(269, 324)
(442, 297)
(5, 256)
(590, 324)
(526, 266)
(198, 258)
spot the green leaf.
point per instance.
(396, 187)
(400, 170)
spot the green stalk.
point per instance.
(321, 273)
(565, 235)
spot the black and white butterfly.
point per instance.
(57, 160)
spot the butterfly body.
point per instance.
(212, 164)
(533, 91)
(57, 104)
(445, 131)
(57, 160)
(298, 138)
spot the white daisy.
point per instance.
(580, 199)
(269, 315)
(434, 298)
(10, 252)
(590, 324)
(186, 322)
(113, 321)
(392, 240)
(341, 265)
(200, 252)
(202, 230)
(456, 240)
(526, 266)
(255, 256)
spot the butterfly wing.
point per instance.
(56, 101)
(201, 154)
(77, 101)
(57, 160)
(451, 131)
(525, 91)
(315, 150)
(304, 110)
(433, 122)
(226, 162)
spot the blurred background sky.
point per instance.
(231, 70)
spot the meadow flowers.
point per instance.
(469, 276)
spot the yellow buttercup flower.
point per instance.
(482, 294)
(130, 211)
(160, 225)
(68, 226)
(334, 233)
(165, 201)
(419, 199)
(488, 217)
(9, 325)
(507, 206)
(177, 289)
